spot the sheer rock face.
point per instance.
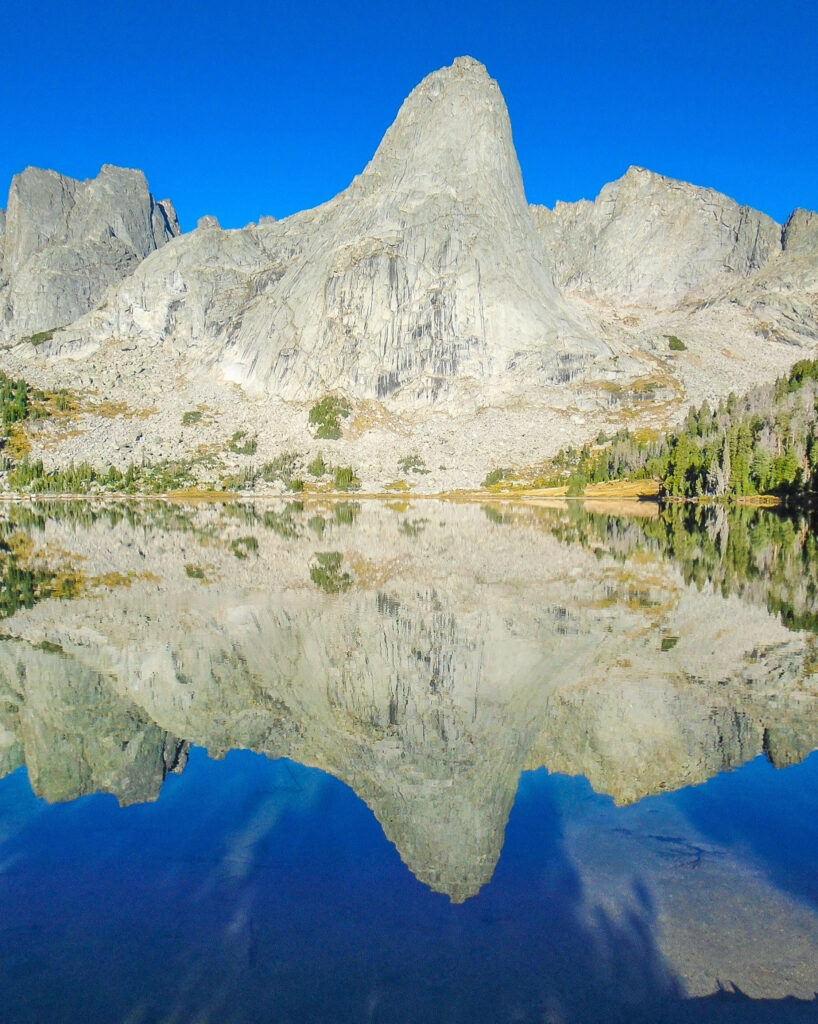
(650, 239)
(426, 271)
(67, 241)
(800, 233)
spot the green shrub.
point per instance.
(675, 344)
(326, 417)
(240, 444)
(412, 464)
(318, 467)
(283, 468)
(195, 572)
(41, 336)
(190, 417)
(496, 476)
(344, 479)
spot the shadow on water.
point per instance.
(765, 813)
(264, 891)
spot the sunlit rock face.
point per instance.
(427, 271)
(438, 657)
(64, 242)
(652, 240)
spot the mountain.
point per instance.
(64, 242)
(450, 313)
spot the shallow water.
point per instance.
(418, 763)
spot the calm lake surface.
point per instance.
(414, 762)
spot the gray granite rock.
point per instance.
(67, 241)
(800, 233)
(647, 238)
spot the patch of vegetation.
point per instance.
(283, 468)
(241, 444)
(41, 336)
(763, 443)
(497, 476)
(668, 643)
(195, 572)
(244, 546)
(191, 417)
(318, 467)
(326, 416)
(412, 464)
(675, 344)
(344, 479)
(327, 573)
(83, 478)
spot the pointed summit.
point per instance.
(453, 130)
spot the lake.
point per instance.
(407, 762)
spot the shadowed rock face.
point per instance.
(427, 679)
(67, 241)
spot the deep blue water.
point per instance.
(260, 890)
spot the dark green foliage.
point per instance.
(344, 479)
(318, 467)
(283, 468)
(764, 556)
(195, 572)
(41, 336)
(326, 417)
(496, 476)
(675, 344)
(412, 464)
(317, 524)
(763, 443)
(84, 478)
(190, 417)
(495, 515)
(241, 444)
(286, 523)
(327, 574)
(413, 527)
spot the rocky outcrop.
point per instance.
(800, 233)
(67, 241)
(652, 240)
(427, 272)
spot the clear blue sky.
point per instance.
(247, 107)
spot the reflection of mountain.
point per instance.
(462, 653)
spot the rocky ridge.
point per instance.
(455, 317)
(64, 242)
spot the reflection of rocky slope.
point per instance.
(462, 653)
